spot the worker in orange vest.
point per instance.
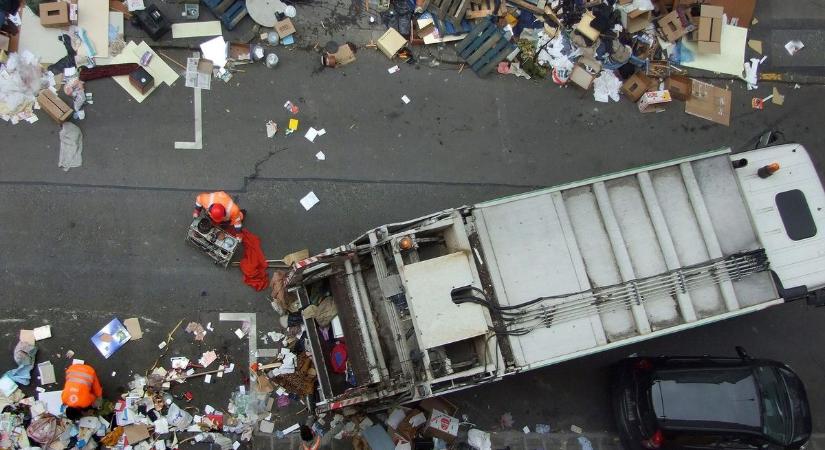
(309, 440)
(81, 390)
(220, 208)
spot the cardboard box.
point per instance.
(710, 29)
(679, 87)
(442, 426)
(142, 80)
(649, 101)
(636, 85)
(437, 403)
(672, 26)
(284, 28)
(54, 106)
(54, 14)
(581, 77)
(709, 102)
(391, 42)
(636, 20)
(409, 426)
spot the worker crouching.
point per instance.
(221, 210)
(81, 390)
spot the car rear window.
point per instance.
(796, 215)
(722, 398)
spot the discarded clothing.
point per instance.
(71, 146)
(253, 264)
(24, 354)
(479, 440)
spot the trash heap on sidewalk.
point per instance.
(634, 48)
(52, 51)
(160, 409)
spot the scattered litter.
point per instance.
(312, 133)
(606, 87)
(542, 428)
(584, 443)
(133, 327)
(207, 358)
(114, 373)
(480, 440)
(135, 5)
(320, 156)
(46, 373)
(309, 200)
(291, 107)
(240, 333)
(755, 45)
(393, 69)
(271, 129)
(796, 86)
(293, 124)
(526, 429)
(576, 429)
(111, 338)
(757, 103)
(750, 73)
(209, 326)
(207, 379)
(43, 332)
(794, 46)
(197, 330)
(162, 344)
(405, 99)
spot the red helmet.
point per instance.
(217, 212)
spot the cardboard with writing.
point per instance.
(709, 102)
(442, 426)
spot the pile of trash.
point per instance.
(157, 411)
(638, 49)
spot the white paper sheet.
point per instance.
(309, 200)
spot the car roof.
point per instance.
(723, 398)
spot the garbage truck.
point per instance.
(469, 295)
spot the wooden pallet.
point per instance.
(480, 9)
(484, 47)
(449, 10)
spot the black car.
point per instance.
(708, 402)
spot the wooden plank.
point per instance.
(494, 62)
(458, 15)
(475, 32)
(529, 7)
(491, 53)
(478, 41)
(478, 14)
(481, 50)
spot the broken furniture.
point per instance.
(452, 11)
(484, 47)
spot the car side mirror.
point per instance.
(742, 352)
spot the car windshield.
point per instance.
(777, 421)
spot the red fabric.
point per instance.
(253, 263)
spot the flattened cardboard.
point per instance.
(93, 16)
(636, 20)
(136, 433)
(709, 102)
(46, 373)
(133, 327)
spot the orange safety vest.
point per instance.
(314, 445)
(233, 212)
(82, 386)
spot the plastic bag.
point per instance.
(45, 429)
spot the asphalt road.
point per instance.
(107, 239)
